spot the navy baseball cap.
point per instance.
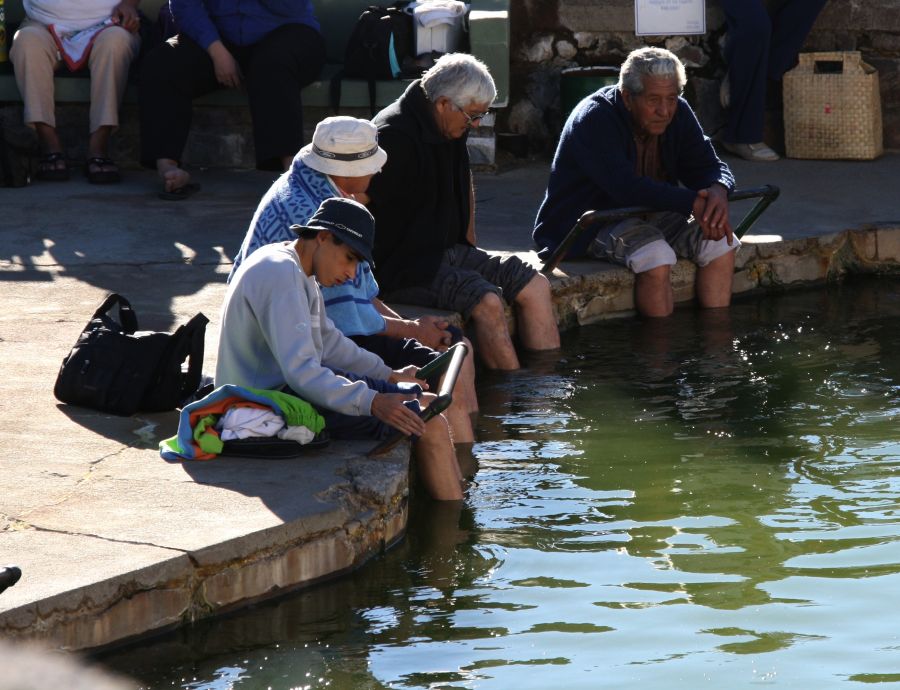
(347, 220)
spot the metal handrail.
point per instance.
(767, 194)
(438, 405)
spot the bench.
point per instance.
(488, 40)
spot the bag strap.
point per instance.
(127, 317)
(334, 91)
(371, 97)
(195, 332)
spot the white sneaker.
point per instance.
(751, 152)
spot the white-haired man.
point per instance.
(423, 203)
(638, 143)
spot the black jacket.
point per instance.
(420, 199)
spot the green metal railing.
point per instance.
(766, 194)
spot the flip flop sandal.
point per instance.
(101, 176)
(48, 170)
(181, 193)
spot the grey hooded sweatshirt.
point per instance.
(275, 333)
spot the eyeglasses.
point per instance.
(470, 119)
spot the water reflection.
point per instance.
(709, 500)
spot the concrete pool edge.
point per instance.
(589, 291)
(127, 544)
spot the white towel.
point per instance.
(300, 434)
(247, 422)
(428, 13)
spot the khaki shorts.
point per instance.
(659, 239)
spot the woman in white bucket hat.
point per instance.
(340, 161)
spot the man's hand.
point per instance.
(406, 374)
(432, 331)
(125, 14)
(389, 408)
(711, 211)
(228, 72)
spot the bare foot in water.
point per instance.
(173, 177)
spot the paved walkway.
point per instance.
(111, 539)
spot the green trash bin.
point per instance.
(577, 82)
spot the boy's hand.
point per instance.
(389, 408)
(407, 375)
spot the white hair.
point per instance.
(656, 62)
(461, 78)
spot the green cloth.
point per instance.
(297, 412)
(208, 441)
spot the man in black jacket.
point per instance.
(423, 203)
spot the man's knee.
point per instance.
(536, 289)
(657, 274)
(490, 306)
(437, 432)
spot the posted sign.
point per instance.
(669, 17)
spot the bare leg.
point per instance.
(465, 402)
(459, 420)
(98, 144)
(50, 142)
(465, 383)
(436, 462)
(98, 147)
(495, 347)
(653, 292)
(714, 282)
(172, 176)
(534, 309)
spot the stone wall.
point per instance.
(551, 35)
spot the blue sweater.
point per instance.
(594, 168)
(238, 22)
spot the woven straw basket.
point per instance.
(832, 108)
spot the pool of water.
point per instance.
(708, 501)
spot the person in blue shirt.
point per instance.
(272, 48)
(638, 143)
(340, 161)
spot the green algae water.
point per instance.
(712, 500)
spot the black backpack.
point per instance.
(380, 47)
(115, 368)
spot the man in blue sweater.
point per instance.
(638, 143)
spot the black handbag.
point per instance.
(115, 368)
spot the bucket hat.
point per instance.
(347, 220)
(344, 146)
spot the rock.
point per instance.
(526, 118)
(566, 50)
(585, 40)
(539, 50)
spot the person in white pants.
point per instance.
(98, 34)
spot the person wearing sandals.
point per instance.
(270, 49)
(98, 34)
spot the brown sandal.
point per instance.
(101, 176)
(49, 170)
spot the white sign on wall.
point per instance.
(669, 17)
